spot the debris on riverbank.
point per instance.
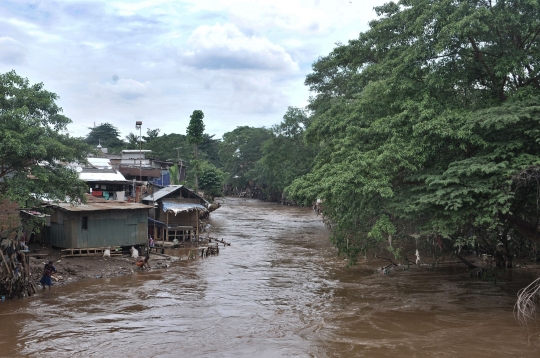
(21, 270)
(15, 270)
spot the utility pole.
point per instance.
(179, 162)
(138, 125)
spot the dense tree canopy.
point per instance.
(428, 126)
(151, 134)
(209, 149)
(107, 135)
(35, 146)
(239, 152)
(285, 155)
(132, 141)
(211, 179)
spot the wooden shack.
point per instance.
(176, 213)
(99, 223)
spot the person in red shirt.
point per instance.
(142, 263)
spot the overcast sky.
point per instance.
(240, 62)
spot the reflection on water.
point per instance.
(278, 290)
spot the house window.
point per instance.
(85, 222)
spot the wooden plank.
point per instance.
(5, 262)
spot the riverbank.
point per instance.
(73, 269)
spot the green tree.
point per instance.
(170, 147)
(211, 180)
(428, 121)
(106, 134)
(239, 152)
(195, 137)
(151, 134)
(209, 149)
(174, 173)
(285, 156)
(195, 130)
(132, 141)
(35, 145)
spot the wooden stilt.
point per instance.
(167, 228)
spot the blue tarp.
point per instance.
(164, 180)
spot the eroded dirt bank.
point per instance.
(73, 269)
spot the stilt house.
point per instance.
(176, 213)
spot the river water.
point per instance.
(278, 291)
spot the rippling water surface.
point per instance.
(277, 291)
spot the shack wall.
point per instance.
(104, 228)
(187, 218)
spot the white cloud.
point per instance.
(304, 17)
(226, 47)
(248, 94)
(130, 8)
(94, 45)
(127, 88)
(12, 51)
(241, 62)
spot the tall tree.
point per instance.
(239, 152)
(194, 133)
(170, 147)
(105, 134)
(211, 180)
(132, 141)
(151, 134)
(35, 145)
(427, 125)
(285, 156)
(209, 148)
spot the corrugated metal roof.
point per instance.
(169, 190)
(97, 170)
(109, 205)
(176, 207)
(162, 193)
(101, 175)
(100, 162)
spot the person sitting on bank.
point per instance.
(46, 279)
(143, 263)
(175, 243)
(23, 242)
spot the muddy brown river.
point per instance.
(278, 291)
